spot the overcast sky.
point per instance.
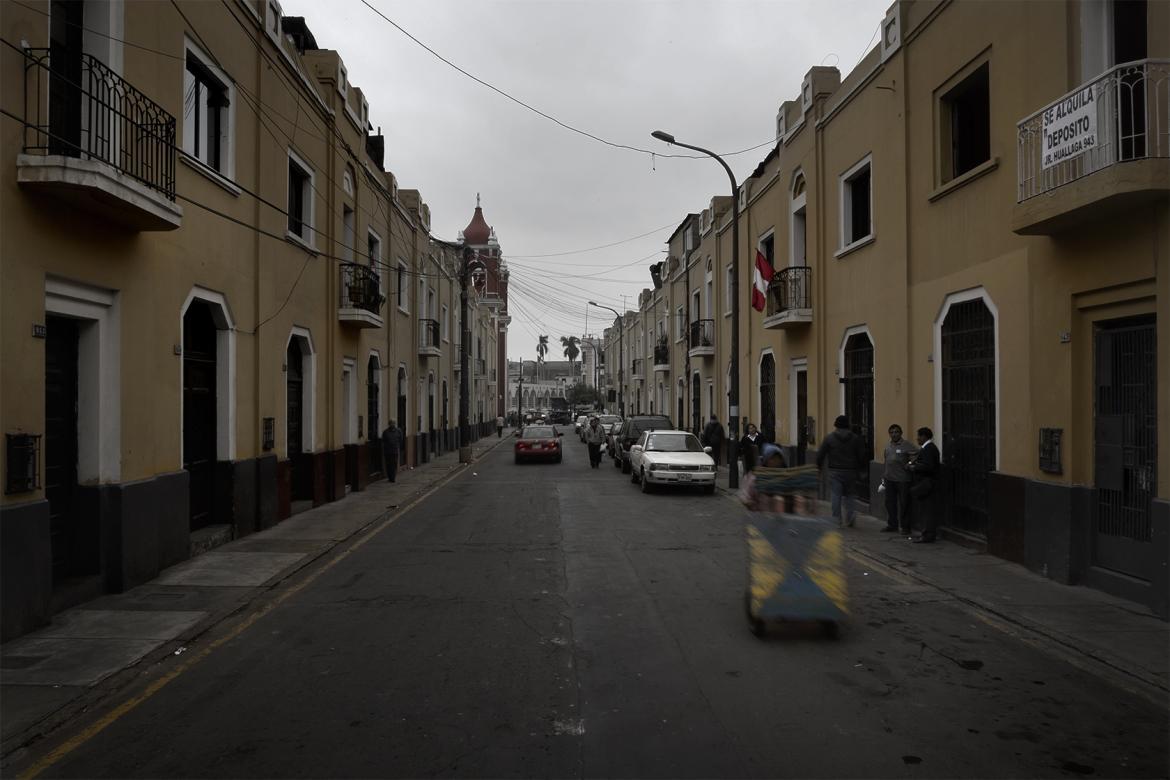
(712, 73)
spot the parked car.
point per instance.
(671, 458)
(538, 442)
(631, 430)
(582, 420)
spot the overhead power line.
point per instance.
(546, 115)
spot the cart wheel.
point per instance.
(758, 628)
(831, 629)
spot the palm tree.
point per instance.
(571, 351)
(541, 349)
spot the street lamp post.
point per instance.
(621, 358)
(733, 389)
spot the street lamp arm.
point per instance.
(671, 140)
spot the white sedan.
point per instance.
(671, 458)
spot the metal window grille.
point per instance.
(1050, 450)
(23, 457)
(269, 434)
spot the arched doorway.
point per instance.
(696, 405)
(295, 394)
(373, 406)
(199, 411)
(968, 410)
(857, 377)
(768, 397)
(401, 411)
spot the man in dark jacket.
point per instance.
(749, 447)
(841, 454)
(713, 437)
(391, 447)
(925, 472)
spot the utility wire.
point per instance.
(595, 248)
(547, 116)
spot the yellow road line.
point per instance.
(95, 728)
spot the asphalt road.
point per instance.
(550, 620)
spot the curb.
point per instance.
(99, 696)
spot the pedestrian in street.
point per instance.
(391, 447)
(594, 438)
(749, 447)
(713, 437)
(499, 426)
(925, 472)
(896, 482)
(841, 454)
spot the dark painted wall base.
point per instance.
(26, 573)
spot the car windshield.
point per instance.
(538, 432)
(673, 442)
(641, 426)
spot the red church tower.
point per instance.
(492, 287)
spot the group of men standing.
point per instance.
(907, 481)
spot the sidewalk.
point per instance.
(1116, 639)
(84, 654)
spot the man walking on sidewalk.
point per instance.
(499, 426)
(896, 481)
(391, 446)
(841, 454)
(594, 438)
(925, 470)
(713, 437)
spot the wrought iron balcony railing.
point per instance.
(89, 111)
(790, 289)
(428, 336)
(1122, 115)
(702, 334)
(661, 355)
(361, 288)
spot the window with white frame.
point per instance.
(856, 203)
(207, 118)
(446, 323)
(710, 294)
(401, 292)
(347, 233)
(728, 303)
(300, 199)
(272, 19)
(680, 324)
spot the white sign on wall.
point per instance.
(1070, 128)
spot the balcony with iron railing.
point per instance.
(94, 140)
(702, 339)
(1100, 149)
(428, 338)
(361, 296)
(789, 298)
(636, 370)
(662, 357)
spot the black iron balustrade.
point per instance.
(428, 334)
(93, 113)
(790, 288)
(702, 333)
(361, 288)
(661, 355)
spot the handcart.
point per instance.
(796, 559)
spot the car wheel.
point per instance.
(558, 460)
(625, 466)
(633, 476)
(517, 459)
(709, 490)
(646, 488)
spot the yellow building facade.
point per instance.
(213, 295)
(970, 233)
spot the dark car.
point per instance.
(631, 430)
(538, 442)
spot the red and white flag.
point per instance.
(763, 276)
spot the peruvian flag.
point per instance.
(764, 273)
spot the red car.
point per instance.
(541, 442)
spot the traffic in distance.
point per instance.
(646, 446)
